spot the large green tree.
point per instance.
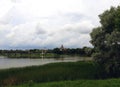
(106, 41)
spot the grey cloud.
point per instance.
(40, 30)
(84, 27)
(37, 35)
(18, 38)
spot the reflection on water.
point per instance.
(10, 63)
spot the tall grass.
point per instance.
(51, 72)
(77, 83)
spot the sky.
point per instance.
(34, 24)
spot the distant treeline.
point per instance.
(38, 53)
(85, 51)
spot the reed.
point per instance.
(51, 72)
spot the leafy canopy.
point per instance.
(106, 41)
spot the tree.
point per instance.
(57, 51)
(88, 51)
(106, 41)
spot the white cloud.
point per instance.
(49, 23)
(16, 1)
(5, 5)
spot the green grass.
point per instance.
(77, 83)
(51, 72)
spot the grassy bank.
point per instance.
(51, 72)
(77, 83)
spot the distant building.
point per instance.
(62, 48)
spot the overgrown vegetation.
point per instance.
(51, 72)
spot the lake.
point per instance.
(6, 63)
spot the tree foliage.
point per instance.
(106, 41)
(85, 51)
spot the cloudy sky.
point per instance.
(49, 23)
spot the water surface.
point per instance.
(22, 62)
